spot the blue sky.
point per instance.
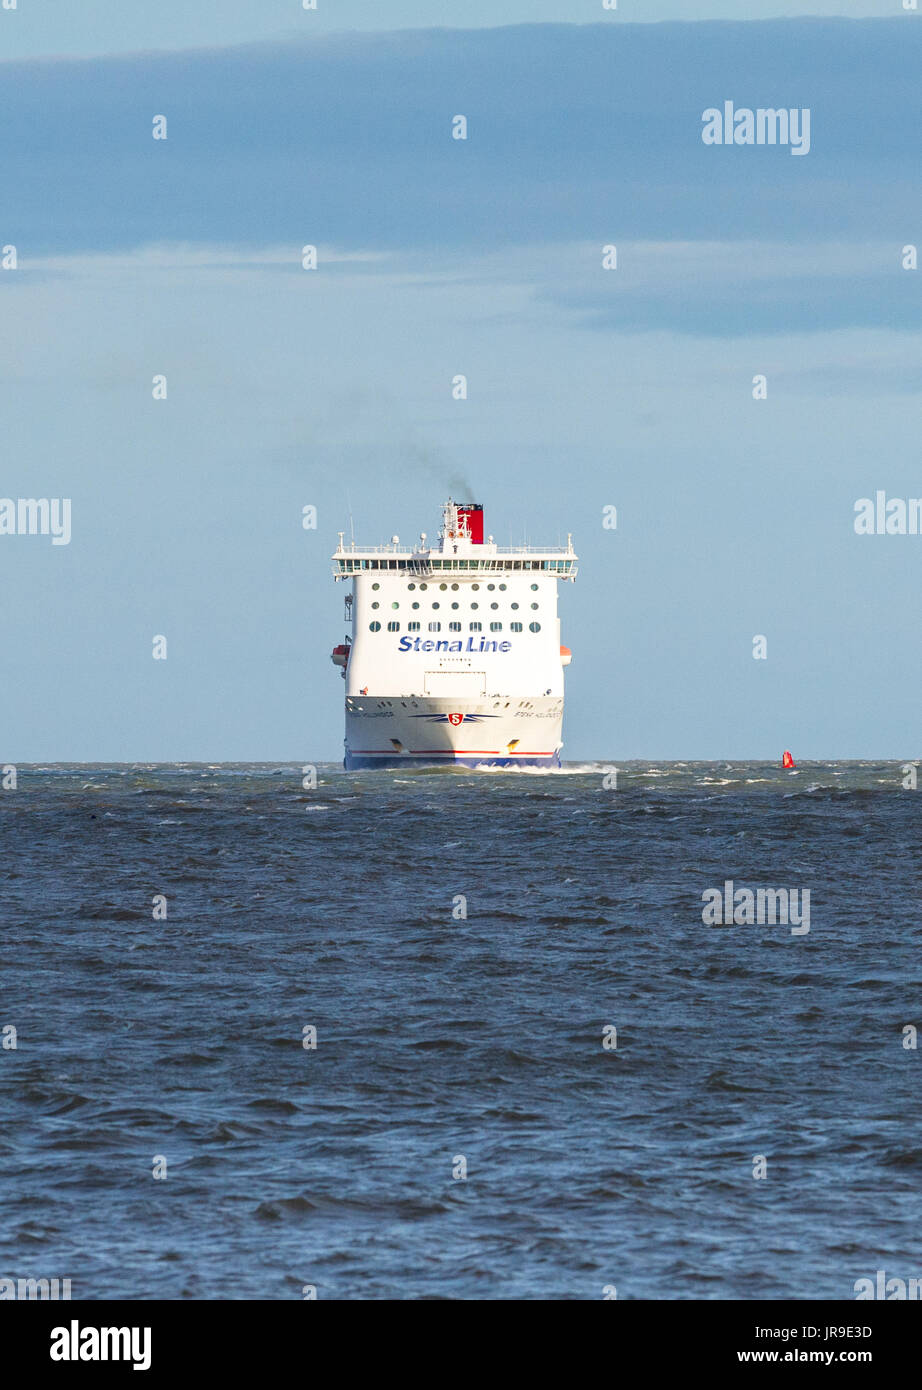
(287, 387)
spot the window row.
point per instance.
(353, 565)
(454, 627)
(435, 604)
(474, 587)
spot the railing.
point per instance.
(550, 550)
(346, 565)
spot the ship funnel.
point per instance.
(470, 518)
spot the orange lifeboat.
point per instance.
(566, 656)
(340, 655)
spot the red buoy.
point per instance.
(787, 760)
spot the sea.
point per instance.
(439, 1034)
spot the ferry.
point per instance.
(452, 654)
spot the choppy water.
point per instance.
(440, 1037)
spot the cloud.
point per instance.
(737, 289)
(721, 289)
(575, 132)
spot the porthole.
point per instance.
(436, 604)
(375, 627)
(454, 627)
(534, 586)
(376, 586)
(496, 627)
(515, 605)
(454, 586)
(534, 605)
(443, 586)
(393, 627)
(475, 605)
(376, 605)
(491, 586)
(494, 605)
(474, 627)
(412, 627)
(534, 627)
(395, 605)
(422, 587)
(435, 627)
(475, 586)
(513, 627)
(415, 605)
(454, 605)
(502, 586)
(411, 586)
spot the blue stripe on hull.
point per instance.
(355, 762)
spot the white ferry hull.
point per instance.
(423, 731)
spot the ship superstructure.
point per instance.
(453, 654)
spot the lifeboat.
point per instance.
(566, 656)
(340, 654)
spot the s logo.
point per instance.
(456, 718)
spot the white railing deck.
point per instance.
(424, 569)
(473, 553)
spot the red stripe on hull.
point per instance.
(451, 753)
